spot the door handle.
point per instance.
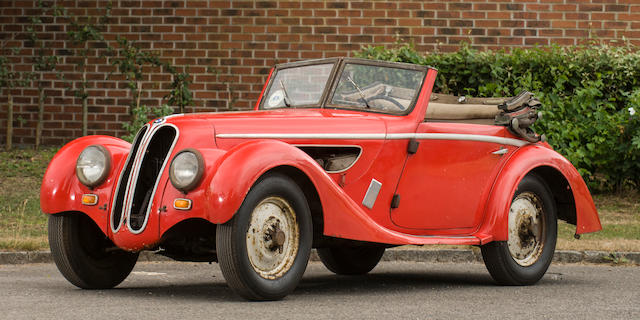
(500, 152)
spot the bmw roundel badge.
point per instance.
(159, 120)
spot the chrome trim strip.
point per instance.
(155, 186)
(377, 136)
(115, 196)
(469, 137)
(356, 136)
(372, 194)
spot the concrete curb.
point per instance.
(440, 256)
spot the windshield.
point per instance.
(298, 86)
(377, 88)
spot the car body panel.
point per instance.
(454, 179)
(61, 191)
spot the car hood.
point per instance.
(295, 125)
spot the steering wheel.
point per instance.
(387, 98)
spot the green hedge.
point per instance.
(586, 91)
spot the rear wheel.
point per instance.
(264, 250)
(526, 256)
(351, 260)
(84, 255)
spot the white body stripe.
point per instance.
(470, 137)
(377, 136)
(340, 136)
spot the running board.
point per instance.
(450, 240)
(475, 240)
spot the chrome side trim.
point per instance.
(341, 136)
(132, 187)
(377, 136)
(469, 137)
(372, 194)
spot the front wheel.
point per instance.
(525, 257)
(264, 250)
(84, 255)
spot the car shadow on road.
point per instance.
(384, 282)
(316, 284)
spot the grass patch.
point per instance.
(24, 227)
(620, 218)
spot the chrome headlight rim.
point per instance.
(197, 177)
(105, 171)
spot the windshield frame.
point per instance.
(305, 63)
(332, 83)
(375, 63)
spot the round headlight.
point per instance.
(186, 169)
(93, 165)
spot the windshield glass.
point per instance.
(377, 88)
(298, 86)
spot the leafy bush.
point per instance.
(590, 96)
(140, 116)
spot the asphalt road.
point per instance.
(394, 290)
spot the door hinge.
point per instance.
(413, 145)
(395, 201)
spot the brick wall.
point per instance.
(241, 40)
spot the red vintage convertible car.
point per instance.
(345, 155)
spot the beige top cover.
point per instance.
(447, 107)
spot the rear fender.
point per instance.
(532, 158)
(61, 191)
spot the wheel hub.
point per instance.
(272, 238)
(526, 229)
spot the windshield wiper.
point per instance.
(366, 103)
(286, 96)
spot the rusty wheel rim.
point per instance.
(272, 238)
(526, 229)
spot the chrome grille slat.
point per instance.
(115, 220)
(139, 180)
(147, 179)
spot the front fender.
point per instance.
(243, 165)
(521, 163)
(61, 191)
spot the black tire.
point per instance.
(508, 268)
(234, 241)
(351, 260)
(84, 255)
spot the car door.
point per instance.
(444, 184)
